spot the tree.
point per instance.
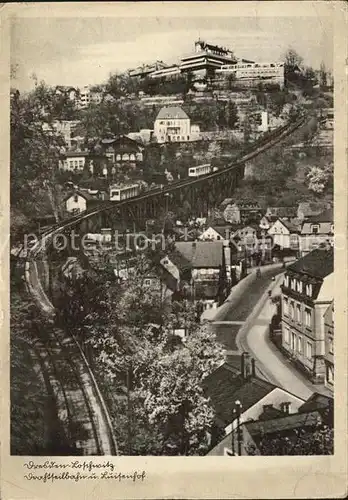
(35, 152)
(315, 441)
(247, 128)
(145, 369)
(292, 60)
(323, 75)
(320, 178)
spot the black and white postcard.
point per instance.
(174, 267)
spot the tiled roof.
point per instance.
(179, 260)
(323, 227)
(225, 386)
(318, 263)
(207, 254)
(293, 228)
(77, 154)
(325, 216)
(316, 402)
(287, 423)
(172, 112)
(223, 230)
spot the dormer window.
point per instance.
(299, 286)
(293, 284)
(309, 290)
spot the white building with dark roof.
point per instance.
(172, 124)
(307, 292)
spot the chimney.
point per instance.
(245, 365)
(285, 407)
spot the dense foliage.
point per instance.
(152, 379)
(316, 441)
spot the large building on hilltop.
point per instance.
(206, 59)
(248, 73)
(215, 64)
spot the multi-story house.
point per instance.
(209, 270)
(123, 150)
(243, 212)
(273, 213)
(65, 128)
(329, 346)
(285, 234)
(315, 231)
(88, 96)
(172, 124)
(74, 160)
(307, 291)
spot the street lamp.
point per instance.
(238, 406)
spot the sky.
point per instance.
(79, 51)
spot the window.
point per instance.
(286, 306)
(286, 281)
(309, 290)
(309, 353)
(308, 318)
(331, 346)
(293, 341)
(76, 198)
(330, 374)
(293, 284)
(298, 313)
(286, 335)
(299, 345)
(147, 282)
(292, 310)
(299, 286)
(315, 229)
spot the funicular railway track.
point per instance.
(81, 402)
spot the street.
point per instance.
(242, 323)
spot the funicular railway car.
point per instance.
(201, 170)
(120, 193)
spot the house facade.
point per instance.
(172, 124)
(315, 231)
(307, 291)
(209, 271)
(329, 346)
(284, 234)
(76, 203)
(74, 161)
(122, 151)
(243, 212)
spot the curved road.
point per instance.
(242, 324)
